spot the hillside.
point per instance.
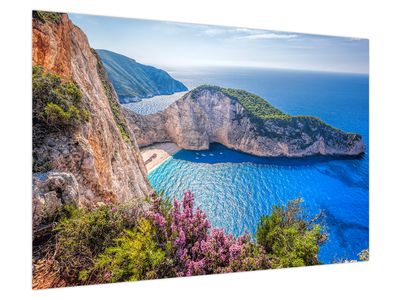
(133, 81)
(83, 149)
(241, 121)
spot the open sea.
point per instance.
(236, 189)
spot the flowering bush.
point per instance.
(196, 249)
(118, 243)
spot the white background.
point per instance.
(376, 20)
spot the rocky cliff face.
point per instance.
(101, 156)
(241, 121)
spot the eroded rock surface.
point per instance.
(50, 192)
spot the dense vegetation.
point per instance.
(290, 238)
(83, 235)
(57, 103)
(121, 243)
(134, 80)
(257, 107)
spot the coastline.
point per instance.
(154, 155)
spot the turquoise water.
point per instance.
(236, 189)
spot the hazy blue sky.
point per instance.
(170, 44)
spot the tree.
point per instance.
(289, 238)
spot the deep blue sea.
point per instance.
(236, 189)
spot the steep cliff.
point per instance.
(241, 121)
(79, 129)
(133, 81)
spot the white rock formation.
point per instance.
(209, 115)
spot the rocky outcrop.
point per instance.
(50, 192)
(101, 154)
(241, 121)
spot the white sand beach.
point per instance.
(156, 154)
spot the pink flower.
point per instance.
(198, 248)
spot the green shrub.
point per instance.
(45, 16)
(124, 134)
(135, 256)
(56, 103)
(289, 238)
(82, 235)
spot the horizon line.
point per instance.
(168, 66)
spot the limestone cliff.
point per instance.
(241, 121)
(100, 154)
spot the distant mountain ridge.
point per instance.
(133, 81)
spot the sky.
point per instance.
(172, 45)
